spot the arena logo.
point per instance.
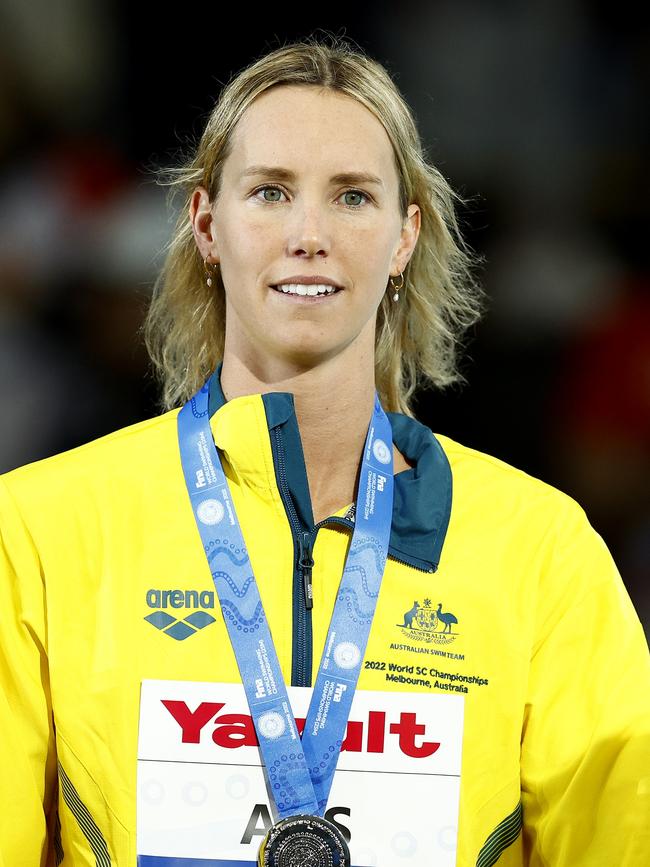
(428, 624)
(233, 730)
(176, 628)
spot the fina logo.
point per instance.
(271, 725)
(347, 654)
(210, 512)
(381, 451)
(172, 626)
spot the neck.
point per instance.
(334, 401)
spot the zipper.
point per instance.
(306, 541)
(301, 657)
(414, 563)
(303, 597)
(305, 563)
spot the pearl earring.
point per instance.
(397, 288)
(208, 271)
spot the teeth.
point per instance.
(303, 289)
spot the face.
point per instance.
(286, 210)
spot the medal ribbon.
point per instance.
(300, 771)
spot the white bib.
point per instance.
(202, 793)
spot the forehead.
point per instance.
(311, 127)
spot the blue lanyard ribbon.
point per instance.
(300, 771)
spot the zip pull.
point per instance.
(305, 561)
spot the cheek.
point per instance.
(371, 246)
(243, 235)
(369, 259)
(248, 252)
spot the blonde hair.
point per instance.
(417, 339)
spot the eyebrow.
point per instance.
(287, 175)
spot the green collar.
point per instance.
(422, 494)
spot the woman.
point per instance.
(501, 712)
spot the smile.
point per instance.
(304, 292)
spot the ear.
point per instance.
(408, 239)
(202, 220)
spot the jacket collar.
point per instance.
(422, 494)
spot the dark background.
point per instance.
(534, 111)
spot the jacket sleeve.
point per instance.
(27, 744)
(585, 753)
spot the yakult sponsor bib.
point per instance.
(202, 789)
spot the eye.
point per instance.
(355, 193)
(269, 187)
(275, 189)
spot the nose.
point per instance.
(309, 234)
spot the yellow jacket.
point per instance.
(500, 576)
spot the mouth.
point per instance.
(303, 294)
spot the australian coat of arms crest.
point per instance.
(422, 622)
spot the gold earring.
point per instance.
(397, 288)
(209, 272)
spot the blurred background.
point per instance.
(536, 112)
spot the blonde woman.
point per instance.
(169, 591)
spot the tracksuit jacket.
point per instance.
(101, 570)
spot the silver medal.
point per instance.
(304, 840)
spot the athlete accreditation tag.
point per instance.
(202, 794)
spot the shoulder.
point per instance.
(534, 544)
(512, 504)
(488, 478)
(122, 456)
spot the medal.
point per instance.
(301, 840)
(299, 769)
